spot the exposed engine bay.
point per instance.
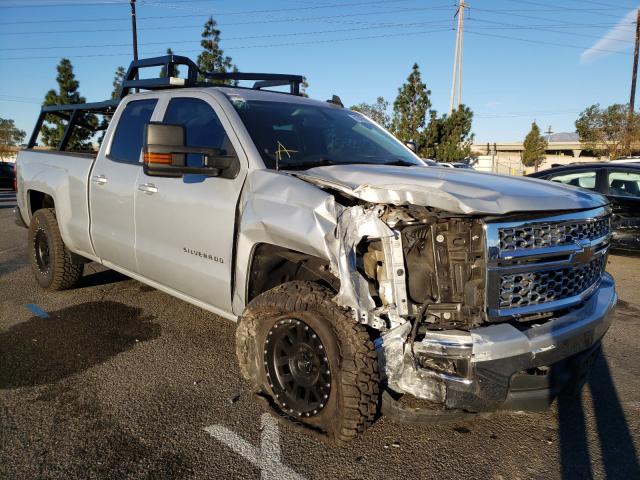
(445, 267)
(425, 265)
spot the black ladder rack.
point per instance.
(72, 113)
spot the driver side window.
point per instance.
(201, 125)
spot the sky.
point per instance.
(524, 60)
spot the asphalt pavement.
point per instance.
(115, 379)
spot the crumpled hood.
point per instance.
(451, 190)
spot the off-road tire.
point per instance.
(61, 273)
(354, 395)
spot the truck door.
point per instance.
(112, 186)
(185, 226)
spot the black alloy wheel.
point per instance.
(41, 251)
(297, 367)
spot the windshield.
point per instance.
(292, 135)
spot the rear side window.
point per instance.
(584, 179)
(127, 140)
(201, 124)
(624, 184)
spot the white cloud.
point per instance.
(619, 37)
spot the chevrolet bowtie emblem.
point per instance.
(585, 255)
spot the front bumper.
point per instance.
(483, 370)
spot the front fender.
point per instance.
(279, 209)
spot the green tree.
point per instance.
(410, 108)
(10, 137)
(68, 93)
(534, 148)
(455, 135)
(213, 59)
(378, 112)
(118, 77)
(163, 70)
(431, 137)
(608, 130)
(448, 138)
(303, 88)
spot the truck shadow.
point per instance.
(71, 340)
(104, 277)
(619, 455)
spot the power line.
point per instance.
(542, 42)
(242, 47)
(196, 15)
(609, 5)
(512, 14)
(308, 7)
(543, 28)
(502, 26)
(252, 37)
(161, 4)
(560, 7)
(100, 3)
(225, 24)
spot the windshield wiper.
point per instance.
(400, 163)
(320, 162)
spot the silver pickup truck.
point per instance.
(361, 279)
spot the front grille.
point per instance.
(533, 288)
(547, 264)
(551, 234)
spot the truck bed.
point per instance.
(64, 176)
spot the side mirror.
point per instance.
(411, 146)
(165, 153)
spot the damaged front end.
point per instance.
(468, 307)
(414, 274)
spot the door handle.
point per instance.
(99, 179)
(148, 188)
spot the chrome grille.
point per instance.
(551, 234)
(546, 264)
(533, 288)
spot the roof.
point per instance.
(268, 96)
(583, 165)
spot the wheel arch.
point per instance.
(38, 199)
(272, 265)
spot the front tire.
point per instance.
(50, 259)
(315, 362)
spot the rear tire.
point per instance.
(50, 259)
(329, 380)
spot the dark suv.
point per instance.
(7, 175)
(620, 182)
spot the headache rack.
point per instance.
(74, 113)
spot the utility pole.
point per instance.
(134, 31)
(632, 97)
(549, 132)
(634, 73)
(456, 73)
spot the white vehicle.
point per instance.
(627, 160)
(354, 270)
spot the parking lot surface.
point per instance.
(115, 379)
